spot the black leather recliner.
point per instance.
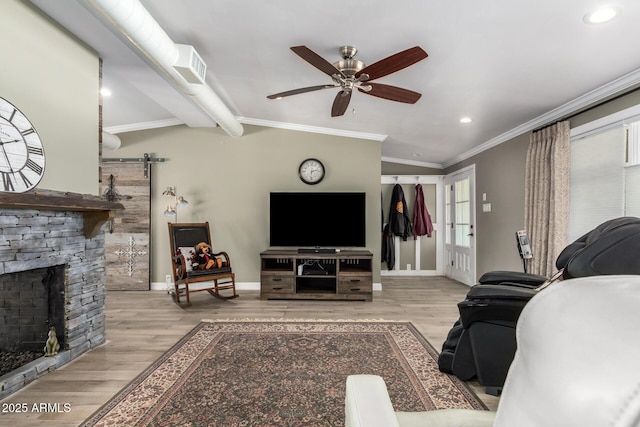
(482, 343)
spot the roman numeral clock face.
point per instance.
(21, 151)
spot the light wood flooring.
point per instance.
(142, 325)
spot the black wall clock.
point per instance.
(21, 152)
(311, 171)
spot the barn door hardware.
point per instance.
(147, 160)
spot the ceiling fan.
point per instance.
(349, 74)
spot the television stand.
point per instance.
(291, 274)
(317, 251)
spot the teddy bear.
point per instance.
(204, 259)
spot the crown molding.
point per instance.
(312, 129)
(132, 127)
(612, 88)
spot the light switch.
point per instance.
(486, 207)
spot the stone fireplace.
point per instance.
(52, 273)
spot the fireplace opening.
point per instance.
(31, 302)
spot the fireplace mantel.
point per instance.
(96, 211)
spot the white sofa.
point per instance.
(577, 364)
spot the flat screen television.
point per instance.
(317, 219)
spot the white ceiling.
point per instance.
(509, 65)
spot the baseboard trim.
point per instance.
(240, 286)
(409, 273)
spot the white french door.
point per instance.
(460, 252)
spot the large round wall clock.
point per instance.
(21, 151)
(311, 171)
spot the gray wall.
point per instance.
(402, 169)
(54, 80)
(500, 174)
(227, 182)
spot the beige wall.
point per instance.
(227, 182)
(500, 174)
(54, 80)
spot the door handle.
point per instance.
(470, 234)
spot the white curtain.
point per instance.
(547, 195)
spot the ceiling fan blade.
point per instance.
(298, 91)
(316, 60)
(392, 93)
(340, 103)
(393, 63)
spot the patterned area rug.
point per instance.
(282, 373)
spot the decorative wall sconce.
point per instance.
(177, 202)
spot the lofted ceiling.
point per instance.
(510, 66)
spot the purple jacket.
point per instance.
(422, 224)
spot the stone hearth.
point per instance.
(42, 230)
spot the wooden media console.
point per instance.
(289, 274)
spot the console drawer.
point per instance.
(355, 285)
(282, 284)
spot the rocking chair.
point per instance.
(183, 239)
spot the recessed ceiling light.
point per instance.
(602, 14)
(465, 120)
(105, 92)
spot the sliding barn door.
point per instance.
(127, 236)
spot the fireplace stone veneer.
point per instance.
(51, 236)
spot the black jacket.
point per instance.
(399, 222)
(388, 248)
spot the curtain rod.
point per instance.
(594, 106)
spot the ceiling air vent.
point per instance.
(190, 65)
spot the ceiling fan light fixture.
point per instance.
(349, 74)
(349, 66)
(602, 14)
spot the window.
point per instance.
(463, 213)
(605, 176)
(633, 144)
(448, 190)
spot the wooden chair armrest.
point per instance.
(227, 260)
(179, 267)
